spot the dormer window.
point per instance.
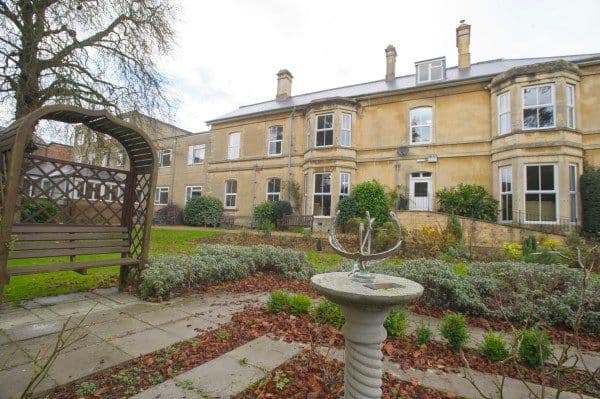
(431, 70)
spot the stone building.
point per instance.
(522, 128)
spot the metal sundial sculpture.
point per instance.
(363, 258)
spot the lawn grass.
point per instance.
(165, 241)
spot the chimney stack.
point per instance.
(390, 63)
(284, 85)
(463, 38)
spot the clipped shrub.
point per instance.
(423, 334)
(299, 304)
(529, 245)
(264, 214)
(40, 210)
(203, 211)
(370, 196)
(211, 264)
(327, 312)
(589, 185)
(470, 200)
(454, 329)
(348, 209)
(396, 323)
(278, 301)
(494, 346)
(280, 209)
(535, 348)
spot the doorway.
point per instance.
(420, 192)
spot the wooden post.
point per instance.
(127, 221)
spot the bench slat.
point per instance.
(65, 266)
(66, 236)
(65, 252)
(42, 228)
(26, 245)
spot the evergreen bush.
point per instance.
(454, 329)
(39, 210)
(280, 209)
(423, 334)
(370, 196)
(327, 312)
(348, 209)
(299, 304)
(494, 346)
(535, 348)
(278, 301)
(264, 214)
(589, 184)
(203, 211)
(396, 324)
(470, 200)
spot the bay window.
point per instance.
(571, 106)
(344, 184)
(541, 193)
(538, 107)
(573, 176)
(322, 195)
(324, 132)
(504, 113)
(346, 139)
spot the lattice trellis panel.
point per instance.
(57, 191)
(142, 184)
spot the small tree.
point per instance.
(590, 199)
(469, 200)
(348, 208)
(370, 196)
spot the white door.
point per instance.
(420, 198)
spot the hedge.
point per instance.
(211, 264)
(548, 294)
(590, 200)
(470, 200)
(203, 211)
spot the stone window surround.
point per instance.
(191, 189)
(539, 105)
(337, 109)
(230, 194)
(269, 141)
(541, 191)
(273, 193)
(410, 126)
(515, 87)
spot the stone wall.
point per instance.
(486, 234)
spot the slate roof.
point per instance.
(454, 74)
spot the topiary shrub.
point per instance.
(264, 213)
(348, 209)
(39, 210)
(589, 185)
(494, 346)
(299, 304)
(454, 329)
(203, 211)
(370, 196)
(280, 209)
(535, 348)
(327, 312)
(470, 200)
(278, 301)
(396, 323)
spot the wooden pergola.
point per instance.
(63, 215)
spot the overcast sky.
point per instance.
(229, 50)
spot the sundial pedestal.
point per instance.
(365, 307)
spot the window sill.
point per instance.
(421, 144)
(321, 217)
(225, 208)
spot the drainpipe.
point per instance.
(290, 145)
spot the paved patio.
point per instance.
(115, 328)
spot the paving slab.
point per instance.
(44, 313)
(139, 308)
(87, 360)
(162, 316)
(188, 327)
(78, 307)
(11, 356)
(3, 338)
(14, 381)
(64, 298)
(44, 345)
(119, 327)
(34, 330)
(17, 317)
(144, 342)
(227, 375)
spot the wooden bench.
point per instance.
(37, 241)
(296, 220)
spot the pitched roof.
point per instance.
(477, 70)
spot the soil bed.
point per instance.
(312, 376)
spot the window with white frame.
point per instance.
(105, 159)
(540, 194)
(121, 158)
(192, 192)
(196, 154)
(324, 132)
(111, 192)
(161, 196)
(504, 113)
(93, 190)
(421, 124)
(233, 145)
(573, 176)
(430, 71)
(571, 106)
(230, 194)
(538, 107)
(275, 141)
(273, 189)
(346, 140)
(506, 194)
(344, 184)
(164, 158)
(322, 195)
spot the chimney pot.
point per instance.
(390, 63)
(463, 39)
(284, 85)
